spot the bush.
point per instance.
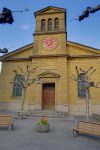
(44, 120)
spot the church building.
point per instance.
(55, 59)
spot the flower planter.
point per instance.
(42, 128)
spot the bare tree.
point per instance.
(84, 76)
(25, 82)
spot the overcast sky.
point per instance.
(20, 33)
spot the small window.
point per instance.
(43, 25)
(17, 87)
(56, 24)
(49, 24)
(82, 86)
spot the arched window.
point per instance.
(82, 86)
(17, 87)
(49, 24)
(43, 25)
(56, 24)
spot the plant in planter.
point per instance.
(43, 125)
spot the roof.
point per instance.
(91, 49)
(42, 11)
(21, 49)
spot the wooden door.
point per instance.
(48, 96)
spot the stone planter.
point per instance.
(42, 128)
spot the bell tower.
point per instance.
(50, 31)
(49, 47)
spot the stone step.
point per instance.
(96, 116)
(53, 114)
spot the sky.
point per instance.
(20, 33)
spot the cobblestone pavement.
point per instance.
(60, 137)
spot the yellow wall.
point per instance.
(60, 48)
(75, 49)
(66, 99)
(65, 88)
(25, 54)
(53, 16)
(74, 100)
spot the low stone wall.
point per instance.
(3, 106)
(71, 109)
(78, 109)
(61, 108)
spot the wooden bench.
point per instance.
(6, 121)
(87, 128)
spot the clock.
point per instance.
(49, 43)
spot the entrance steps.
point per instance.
(52, 114)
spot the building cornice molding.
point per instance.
(83, 56)
(49, 33)
(50, 56)
(16, 59)
(36, 56)
(48, 13)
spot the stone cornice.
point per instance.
(50, 56)
(15, 59)
(36, 56)
(83, 56)
(49, 33)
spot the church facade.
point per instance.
(55, 60)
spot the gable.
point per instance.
(23, 52)
(48, 74)
(50, 9)
(78, 49)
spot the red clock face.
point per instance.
(49, 43)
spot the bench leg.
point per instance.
(75, 133)
(12, 126)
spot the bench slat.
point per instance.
(90, 132)
(88, 127)
(6, 120)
